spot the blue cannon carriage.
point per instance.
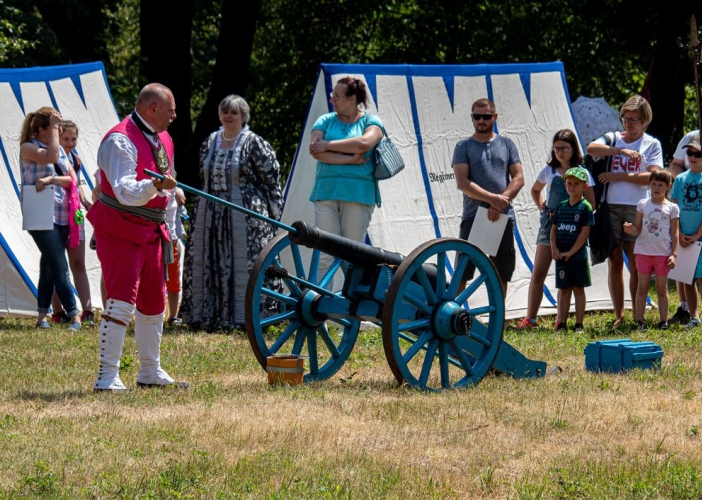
(432, 337)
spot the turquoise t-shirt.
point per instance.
(687, 190)
(345, 182)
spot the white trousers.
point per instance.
(345, 218)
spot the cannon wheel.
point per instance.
(291, 329)
(432, 338)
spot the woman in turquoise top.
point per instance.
(344, 192)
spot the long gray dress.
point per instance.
(223, 243)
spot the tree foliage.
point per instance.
(270, 53)
(607, 48)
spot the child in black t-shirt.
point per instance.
(569, 232)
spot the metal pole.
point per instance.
(229, 204)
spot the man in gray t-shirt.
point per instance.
(489, 173)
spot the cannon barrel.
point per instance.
(353, 252)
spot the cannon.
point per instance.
(432, 337)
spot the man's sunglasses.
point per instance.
(477, 116)
(696, 154)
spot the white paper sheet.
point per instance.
(37, 208)
(686, 263)
(486, 234)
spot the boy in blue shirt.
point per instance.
(687, 193)
(569, 232)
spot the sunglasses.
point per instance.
(696, 154)
(630, 121)
(477, 116)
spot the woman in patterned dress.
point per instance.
(240, 167)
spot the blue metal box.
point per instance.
(615, 356)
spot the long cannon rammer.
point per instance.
(436, 334)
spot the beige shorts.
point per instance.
(619, 214)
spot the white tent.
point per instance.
(81, 93)
(426, 110)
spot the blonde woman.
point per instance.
(43, 163)
(635, 154)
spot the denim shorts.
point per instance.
(544, 237)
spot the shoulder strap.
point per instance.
(610, 138)
(381, 126)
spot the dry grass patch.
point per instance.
(572, 434)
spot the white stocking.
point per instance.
(111, 344)
(147, 333)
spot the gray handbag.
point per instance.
(387, 159)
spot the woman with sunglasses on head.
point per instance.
(44, 165)
(635, 154)
(345, 192)
(565, 154)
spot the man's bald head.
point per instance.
(156, 105)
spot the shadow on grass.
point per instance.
(198, 329)
(52, 397)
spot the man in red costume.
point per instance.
(131, 237)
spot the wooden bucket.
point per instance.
(285, 369)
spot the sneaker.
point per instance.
(87, 318)
(526, 323)
(560, 326)
(693, 323)
(43, 324)
(641, 326)
(663, 325)
(579, 328)
(60, 317)
(681, 316)
(75, 326)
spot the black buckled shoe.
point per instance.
(681, 316)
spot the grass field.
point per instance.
(572, 434)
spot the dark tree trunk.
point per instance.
(231, 71)
(665, 83)
(165, 30)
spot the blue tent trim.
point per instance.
(18, 267)
(448, 73)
